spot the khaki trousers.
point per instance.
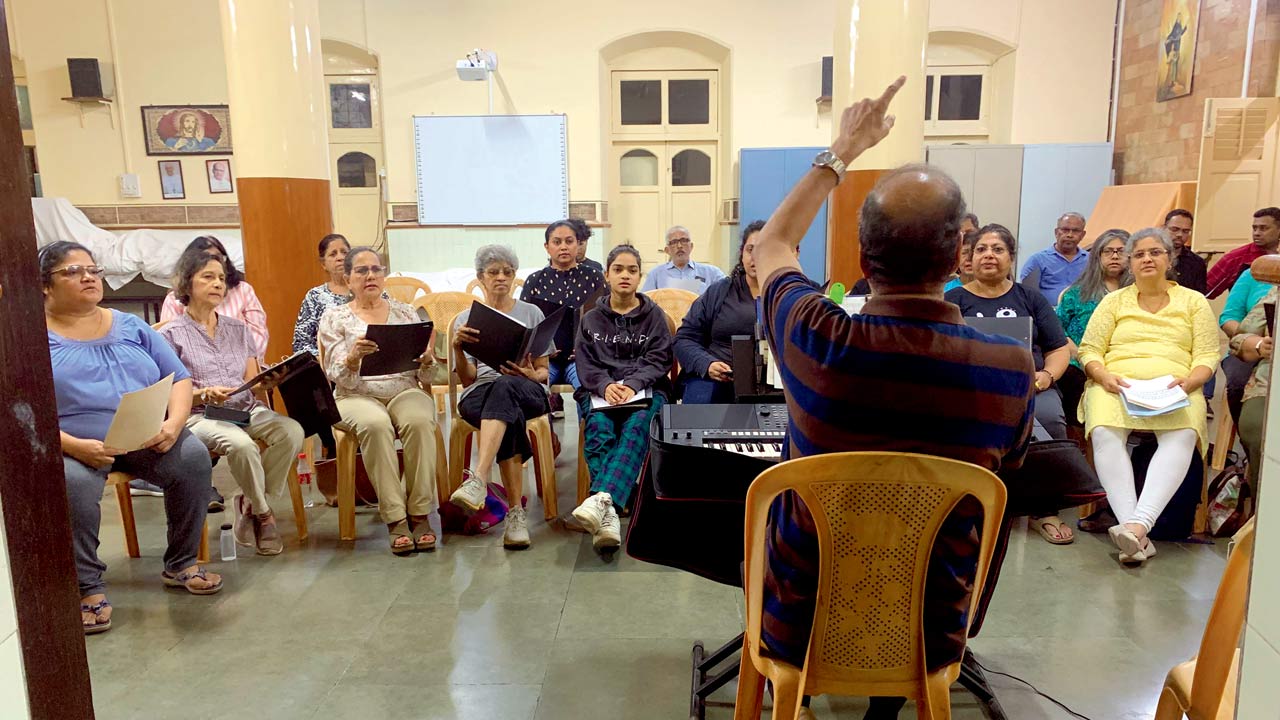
(260, 474)
(376, 423)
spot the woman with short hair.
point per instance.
(499, 401)
(704, 342)
(98, 355)
(1147, 330)
(333, 249)
(624, 357)
(218, 352)
(240, 303)
(380, 408)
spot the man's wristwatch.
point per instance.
(828, 159)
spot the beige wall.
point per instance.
(167, 52)
(170, 52)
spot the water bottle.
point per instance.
(304, 480)
(227, 542)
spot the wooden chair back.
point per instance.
(877, 515)
(405, 289)
(673, 301)
(1218, 657)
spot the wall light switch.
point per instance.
(129, 187)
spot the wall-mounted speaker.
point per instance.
(86, 78)
(827, 70)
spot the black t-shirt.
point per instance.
(1046, 329)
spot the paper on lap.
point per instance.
(599, 403)
(1153, 394)
(139, 416)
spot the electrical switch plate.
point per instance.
(129, 187)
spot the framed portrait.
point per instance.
(1176, 47)
(187, 129)
(219, 172)
(171, 187)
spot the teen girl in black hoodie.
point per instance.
(624, 356)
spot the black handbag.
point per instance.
(226, 414)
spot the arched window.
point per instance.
(356, 169)
(690, 168)
(638, 168)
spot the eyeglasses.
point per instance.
(679, 242)
(1071, 231)
(500, 272)
(1154, 254)
(73, 271)
(374, 270)
(1113, 252)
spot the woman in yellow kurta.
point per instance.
(1151, 328)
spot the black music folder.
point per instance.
(305, 390)
(399, 347)
(1270, 309)
(568, 322)
(503, 338)
(290, 366)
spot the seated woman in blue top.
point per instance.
(992, 294)
(623, 356)
(704, 342)
(98, 355)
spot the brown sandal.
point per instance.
(424, 541)
(399, 530)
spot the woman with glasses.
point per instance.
(499, 401)
(378, 408)
(241, 302)
(218, 352)
(1105, 272)
(98, 355)
(1150, 329)
(992, 294)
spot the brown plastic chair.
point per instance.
(443, 308)
(461, 432)
(674, 302)
(120, 480)
(1204, 688)
(347, 452)
(404, 289)
(877, 515)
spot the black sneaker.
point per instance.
(216, 503)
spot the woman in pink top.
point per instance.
(241, 302)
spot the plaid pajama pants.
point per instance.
(617, 443)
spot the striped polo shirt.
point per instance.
(906, 375)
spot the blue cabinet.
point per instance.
(765, 176)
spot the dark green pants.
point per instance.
(1252, 416)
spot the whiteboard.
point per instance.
(491, 169)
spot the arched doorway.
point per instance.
(664, 133)
(355, 142)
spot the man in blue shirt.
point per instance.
(681, 271)
(1061, 264)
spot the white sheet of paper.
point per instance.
(1153, 394)
(598, 402)
(139, 416)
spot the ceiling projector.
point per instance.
(477, 65)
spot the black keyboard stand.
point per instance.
(705, 682)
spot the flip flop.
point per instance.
(96, 609)
(1042, 525)
(397, 531)
(183, 581)
(420, 539)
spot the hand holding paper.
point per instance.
(1154, 397)
(139, 420)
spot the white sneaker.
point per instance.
(471, 494)
(609, 537)
(517, 533)
(592, 511)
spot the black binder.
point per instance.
(399, 347)
(504, 339)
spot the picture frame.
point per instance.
(1176, 48)
(172, 186)
(187, 129)
(218, 173)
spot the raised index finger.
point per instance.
(882, 102)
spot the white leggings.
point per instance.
(1165, 473)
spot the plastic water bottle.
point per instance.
(304, 480)
(227, 542)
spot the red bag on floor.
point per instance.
(454, 519)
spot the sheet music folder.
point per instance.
(399, 347)
(503, 338)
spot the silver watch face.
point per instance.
(826, 157)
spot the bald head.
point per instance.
(910, 227)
